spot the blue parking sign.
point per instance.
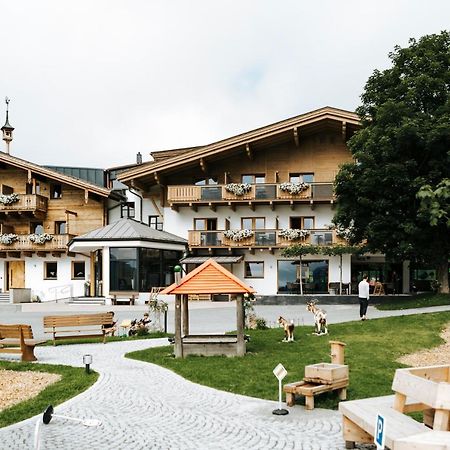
(380, 432)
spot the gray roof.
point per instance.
(129, 230)
(219, 259)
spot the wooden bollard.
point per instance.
(337, 352)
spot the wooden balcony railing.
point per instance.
(23, 243)
(26, 202)
(258, 192)
(261, 238)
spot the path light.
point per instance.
(87, 361)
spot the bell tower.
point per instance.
(7, 129)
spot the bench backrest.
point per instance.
(78, 320)
(13, 331)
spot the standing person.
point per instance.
(363, 294)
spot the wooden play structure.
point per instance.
(424, 389)
(320, 378)
(209, 278)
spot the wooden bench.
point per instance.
(359, 419)
(123, 297)
(19, 339)
(309, 390)
(78, 326)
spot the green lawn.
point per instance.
(74, 381)
(417, 301)
(371, 351)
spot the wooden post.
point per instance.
(240, 325)
(185, 308)
(337, 352)
(399, 402)
(178, 341)
(92, 274)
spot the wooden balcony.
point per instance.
(263, 194)
(24, 246)
(260, 239)
(31, 204)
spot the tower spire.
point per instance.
(7, 129)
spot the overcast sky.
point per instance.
(93, 82)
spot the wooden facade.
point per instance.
(58, 205)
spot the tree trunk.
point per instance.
(301, 277)
(442, 275)
(340, 274)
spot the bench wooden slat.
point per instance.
(18, 338)
(364, 412)
(82, 324)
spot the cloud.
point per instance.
(93, 83)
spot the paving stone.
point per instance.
(145, 406)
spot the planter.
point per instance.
(326, 373)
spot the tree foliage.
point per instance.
(388, 196)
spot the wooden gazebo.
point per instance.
(209, 278)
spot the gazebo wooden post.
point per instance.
(240, 325)
(178, 342)
(185, 305)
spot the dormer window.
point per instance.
(254, 179)
(55, 191)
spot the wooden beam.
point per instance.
(27, 254)
(86, 196)
(14, 254)
(248, 151)
(2, 254)
(41, 254)
(292, 205)
(30, 176)
(71, 254)
(272, 205)
(174, 207)
(296, 137)
(56, 254)
(193, 206)
(203, 165)
(232, 205)
(251, 205)
(344, 131)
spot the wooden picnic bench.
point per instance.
(78, 326)
(123, 297)
(18, 338)
(424, 389)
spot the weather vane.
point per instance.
(7, 100)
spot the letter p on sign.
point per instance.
(380, 432)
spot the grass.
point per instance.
(74, 380)
(371, 352)
(418, 301)
(156, 334)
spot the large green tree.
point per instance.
(403, 147)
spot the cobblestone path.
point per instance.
(144, 406)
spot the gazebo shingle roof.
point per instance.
(209, 278)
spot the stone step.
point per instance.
(87, 300)
(4, 297)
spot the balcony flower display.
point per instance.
(40, 239)
(9, 199)
(238, 189)
(294, 188)
(293, 234)
(238, 235)
(8, 239)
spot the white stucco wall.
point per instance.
(48, 290)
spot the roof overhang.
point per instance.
(292, 125)
(91, 245)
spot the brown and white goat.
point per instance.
(320, 317)
(288, 329)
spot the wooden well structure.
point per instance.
(209, 278)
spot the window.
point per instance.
(127, 210)
(253, 223)
(60, 227)
(254, 179)
(155, 223)
(301, 177)
(254, 269)
(123, 271)
(78, 270)
(302, 223)
(205, 224)
(55, 191)
(50, 270)
(36, 227)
